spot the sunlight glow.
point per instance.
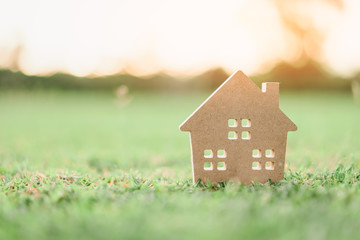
(178, 37)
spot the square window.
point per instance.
(208, 166)
(256, 153)
(269, 165)
(208, 153)
(221, 153)
(270, 153)
(256, 166)
(245, 135)
(232, 122)
(245, 122)
(221, 166)
(232, 135)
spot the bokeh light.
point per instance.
(178, 37)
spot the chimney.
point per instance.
(271, 89)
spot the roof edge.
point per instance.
(292, 126)
(238, 73)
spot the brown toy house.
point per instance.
(239, 133)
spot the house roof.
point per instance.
(237, 83)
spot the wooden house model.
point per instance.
(239, 133)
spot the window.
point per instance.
(269, 165)
(208, 166)
(221, 166)
(221, 153)
(232, 135)
(256, 166)
(256, 153)
(208, 153)
(270, 153)
(232, 122)
(245, 135)
(245, 122)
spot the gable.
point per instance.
(238, 84)
(239, 94)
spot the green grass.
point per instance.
(76, 165)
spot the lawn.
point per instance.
(87, 165)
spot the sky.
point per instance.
(180, 37)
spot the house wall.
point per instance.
(266, 133)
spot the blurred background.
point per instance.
(92, 93)
(179, 44)
(106, 83)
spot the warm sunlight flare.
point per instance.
(178, 37)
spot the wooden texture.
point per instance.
(239, 133)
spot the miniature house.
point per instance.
(239, 133)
